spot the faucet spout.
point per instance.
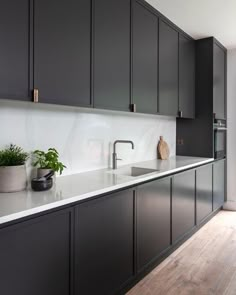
(114, 155)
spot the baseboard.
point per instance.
(230, 206)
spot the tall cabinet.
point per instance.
(210, 100)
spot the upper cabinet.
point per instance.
(145, 59)
(186, 77)
(62, 51)
(168, 69)
(111, 54)
(15, 55)
(219, 81)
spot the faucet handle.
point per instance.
(118, 159)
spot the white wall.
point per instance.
(83, 137)
(231, 109)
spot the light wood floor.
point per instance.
(204, 265)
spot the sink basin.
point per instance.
(133, 171)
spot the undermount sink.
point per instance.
(133, 171)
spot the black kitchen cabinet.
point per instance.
(211, 64)
(104, 256)
(218, 184)
(168, 69)
(186, 77)
(62, 51)
(145, 59)
(153, 220)
(111, 52)
(204, 190)
(35, 256)
(219, 73)
(15, 50)
(183, 204)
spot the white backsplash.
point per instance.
(84, 137)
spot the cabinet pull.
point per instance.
(36, 95)
(180, 113)
(133, 108)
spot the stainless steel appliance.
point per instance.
(220, 132)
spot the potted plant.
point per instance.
(47, 161)
(12, 169)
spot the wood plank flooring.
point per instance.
(203, 265)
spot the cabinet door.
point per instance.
(218, 184)
(186, 77)
(153, 220)
(112, 54)
(62, 51)
(168, 70)
(219, 82)
(183, 204)
(145, 59)
(15, 49)
(104, 244)
(204, 188)
(35, 256)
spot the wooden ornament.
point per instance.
(163, 149)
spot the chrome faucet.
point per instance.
(114, 155)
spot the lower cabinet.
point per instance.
(153, 220)
(100, 246)
(183, 204)
(35, 256)
(104, 244)
(203, 192)
(218, 184)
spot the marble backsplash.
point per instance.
(84, 137)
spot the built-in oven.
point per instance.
(220, 132)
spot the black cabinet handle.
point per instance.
(133, 108)
(180, 114)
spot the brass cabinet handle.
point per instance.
(36, 95)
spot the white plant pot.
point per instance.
(13, 179)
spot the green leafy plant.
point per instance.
(13, 156)
(48, 160)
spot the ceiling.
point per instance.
(202, 18)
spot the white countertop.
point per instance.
(77, 187)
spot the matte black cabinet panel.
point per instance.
(219, 82)
(104, 244)
(153, 220)
(218, 184)
(183, 204)
(186, 77)
(204, 190)
(15, 49)
(62, 51)
(168, 70)
(145, 59)
(35, 256)
(112, 54)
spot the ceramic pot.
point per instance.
(12, 179)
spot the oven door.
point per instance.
(220, 142)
